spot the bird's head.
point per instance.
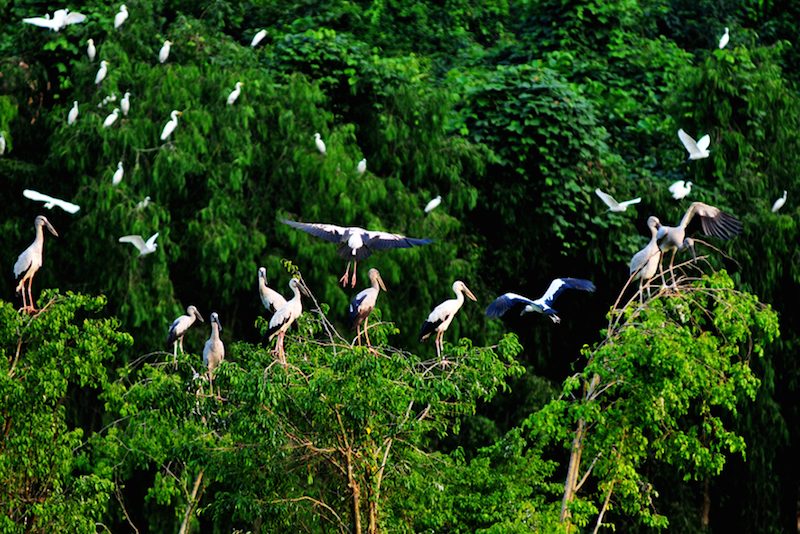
(374, 276)
(215, 319)
(653, 222)
(262, 274)
(41, 220)
(458, 285)
(191, 310)
(296, 283)
(90, 41)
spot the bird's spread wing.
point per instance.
(152, 240)
(505, 302)
(135, 240)
(74, 18)
(688, 142)
(675, 186)
(713, 221)
(40, 21)
(703, 142)
(328, 232)
(558, 285)
(631, 201)
(66, 206)
(608, 199)
(385, 240)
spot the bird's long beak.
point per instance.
(219, 325)
(303, 289)
(469, 294)
(200, 317)
(50, 227)
(689, 242)
(380, 281)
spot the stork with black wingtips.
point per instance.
(543, 304)
(644, 264)
(30, 261)
(364, 303)
(214, 350)
(178, 329)
(284, 317)
(442, 315)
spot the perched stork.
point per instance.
(364, 303)
(779, 203)
(644, 263)
(179, 328)
(680, 189)
(163, 54)
(284, 317)
(171, 124)
(30, 260)
(541, 305)
(214, 351)
(50, 202)
(697, 150)
(442, 315)
(235, 93)
(611, 202)
(356, 243)
(271, 299)
(713, 222)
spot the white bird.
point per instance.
(143, 204)
(125, 104)
(433, 204)
(110, 98)
(111, 118)
(779, 203)
(442, 315)
(235, 93)
(30, 261)
(171, 124)
(712, 222)
(138, 242)
(258, 37)
(2, 144)
(120, 17)
(320, 144)
(697, 150)
(101, 73)
(284, 317)
(73, 113)
(117, 178)
(271, 299)
(42, 22)
(178, 329)
(214, 350)
(356, 243)
(362, 166)
(91, 51)
(680, 189)
(724, 39)
(541, 305)
(49, 201)
(611, 202)
(644, 263)
(61, 18)
(163, 54)
(363, 304)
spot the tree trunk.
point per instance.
(706, 503)
(192, 504)
(572, 472)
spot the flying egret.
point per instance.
(2, 144)
(235, 93)
(73, 113)
(171, 124)
(356, 243)
(612, 204)
(363, 304)
(779, 203)
(320, 144)
(362, 166)
(644, 263)
(50, 202)
(178, 329)
(163, 54)
(724, 39)
(284, 317)
(125, 103)
(214, 350)
(138, 242)
(712, 222)
(697, 150)
(61, 19)
(120, 17)
(91, 51)
(541, 305)
(117, 178)
(680, 189)
(433, 204)
(442, 315)
(30, 261)
(111, 118)
(258, 37)
(143, 204)
(101, 73)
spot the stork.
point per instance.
(284, 317)
(214, 351)
(612, 203)
(644, 263)
(179, 328)
(543, 304)
(442, 315)
(30, 260)
(364, 303)
(356, 243)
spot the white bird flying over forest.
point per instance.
(72, 116)
(50, 202)
(680, 189)
(320, 144)
(543, 304)
(258, 37)
(779, 203)
(30, 261)
(442, 315)
(356, 243)
(163, 54)
(101, 72)
(120, 17)
(171, 124)
(91, 51)
(179, 328)
(433, 204)
(144, 248)
(61, 19)
(235, 93)
(117, 178)
(612, 204)
(723, 41)
(697, 150)
(284, 317)
(363, 304)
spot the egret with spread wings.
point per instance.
(543, 304)
(144, 248)
(698, 149)
(611, 202)
(50, 202)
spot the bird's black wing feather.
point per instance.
(505, 302)
(328, 232)
(428, 328)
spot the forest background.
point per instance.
(682, 413)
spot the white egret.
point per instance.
(543, 304)
(91, 51)
(356, 243)
(163, 54)
(117, 178)
(258, 37)
(363, 304)
(284, 317)
(125, 104)
(2, 144)
(179, 328)
(73, 113)
(61, 18)
(235, 93)
(111, 118)
(697, 150)
(320, 144)
(433, 204)
(779, 203)
(362, 166)
(611, 202)
(723, 41)
(110, 98)
(101, 73)
(171, 124)
(214, 350)
(120, 17)
(144, 248)
(442, 315)
(50, 202)
(30, 261)
(680, 189)
(143, 204)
